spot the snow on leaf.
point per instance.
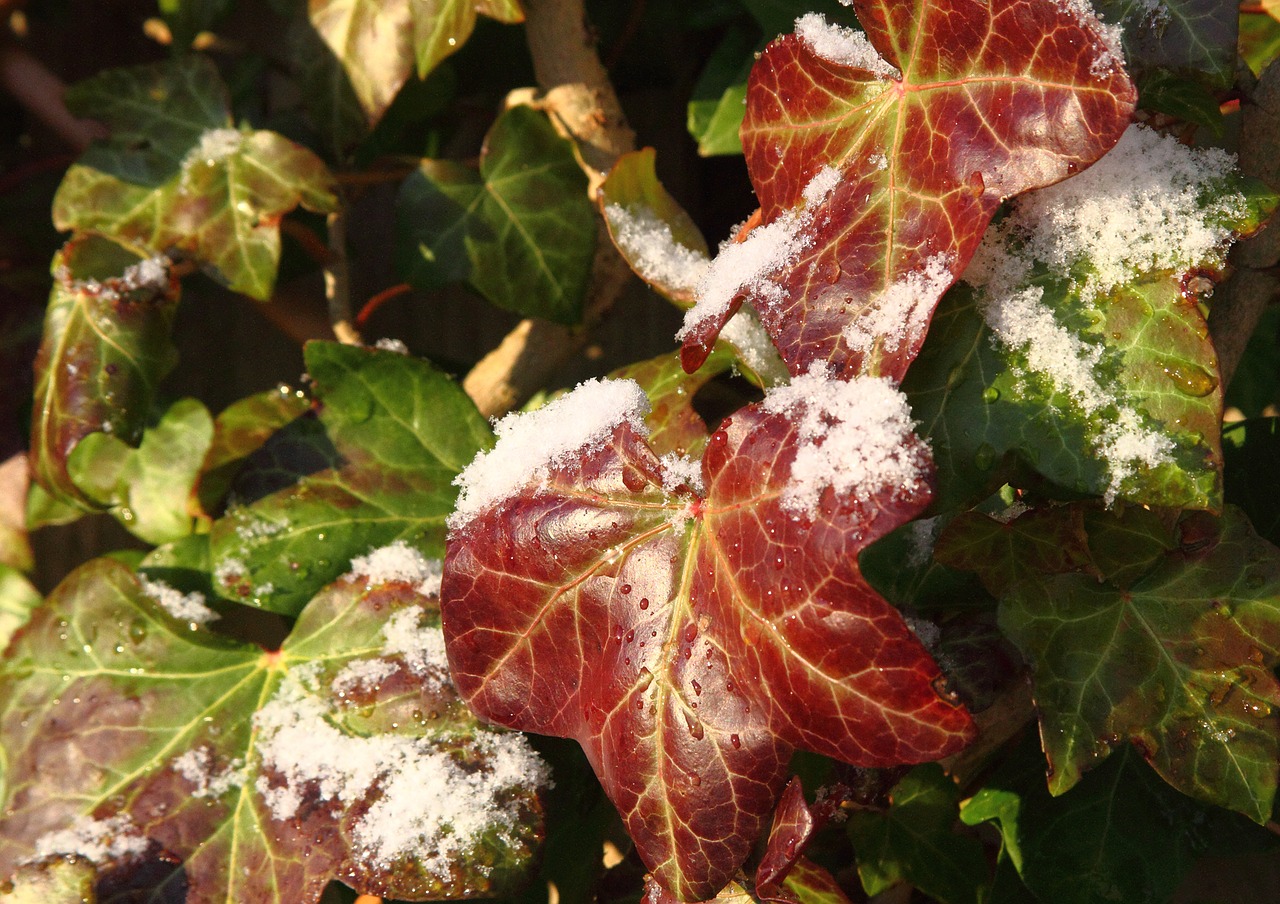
(379, 44)
(132, 736)
(521, 232)
(377, 467)
(104, 349)
(1179, 663)
(993, 99)
(674, 426)
(689, 642)
(177, 174)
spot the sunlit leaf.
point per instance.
(915, 841)
(1179, 664)
(105, 347)
(379, 44)
(17, 598)
(400, 431)
(688, 641)
(1121, 835)
(150, 490)
(521, 231)
(793, 825)
(176, 175)
(969, 103)
(674, 425)
(133, 737)
(719, 98)
(811, 884)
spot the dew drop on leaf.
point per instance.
(690, 633)
(697, 688)
(644, 603)
(1190, 379)
(624, 589)
(990, 394)
(735, 741)
(138, 630)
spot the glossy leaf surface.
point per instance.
(379, 44)
(177, 175)
(105, 347)
(793, 825)
(689, 643)
(1179, 663)
(674, 425)
(914, 841)
(132, 736)
(1194, 37)
(521, 232)
(989, 100)
(392, 434)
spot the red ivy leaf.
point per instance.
(793, 824)
(689, 642)
(990, 98)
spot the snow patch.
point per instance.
(844, 46)
(398, 562)
(856, 437)
(900, 314)
(680, 470)
(531, 444)
(96, 840)
(197, 767)
(649, 246)
(187, 607)
(747, 265)
(420, 645)
(362, 675)
(214, 145)
(1110, 55)
(388, 344)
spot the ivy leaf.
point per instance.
(150, 490)
(793, 825)
(1003, 553)
(674, 425)
(176, 175)
(1187, 36)
(887, 176)
(105, 347)
(379, 44)
(694, 637)
(133, 738)
(17, 598)
(1179, 664)
(522, 232)
(811, 884)
(720, 95)
(401, 431)
(1121, 835)
(915, 841)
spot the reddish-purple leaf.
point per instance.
(793, 824)
(972, 102)
(688, 642)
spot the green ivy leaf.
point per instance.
(378, 44)
(719, 98)
(150, 490)
(1187, 36)
(1259, 39)
(67, 881)
(811, 884)
(176, 174)
(915, 841)
(1121, 835)
(400, 431)
(105, 347)
(132, 736)
(17, 598)
(521, 232)
(1179, 664)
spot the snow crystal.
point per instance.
(425, 804)
(388, 344)
(754, 347)
(196, 766)
(96, 840)
(530, 444)
(398, 562)
(746, 265)
(1144, 206)
(151, 273)
(229, 571)
(362, 674)
(900, 314)
(841, 45)
(925, 631)
(187, 607)
(652, 250)
(922, 535)
(1110, 55)
(680, 469)
(855, 437)
(421, 646)
(214, 145)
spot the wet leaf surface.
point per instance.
(400, 431)
(176, 175)
(988, 100)
(689, 642)
(521, 232)
(133, 737)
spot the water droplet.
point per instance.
(696, 779)
(1257, 709)
(985, 458)
(644, 602)
(138, 631)
(778, 562)
(631, 635)
(624, 589)
(695, 726)
(1191, 379)
(1221, 608)
(697, 688)
(690, 633)
(735, 741)
(943, 690)
(644, 679)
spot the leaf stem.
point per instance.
(337, 277)
(580, 99)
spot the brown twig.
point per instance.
(40, 92)
(337, 277)
(579, 97)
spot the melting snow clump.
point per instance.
(388, 344)
(855, 437)
(747, 265)
(398, 562)
(531, 443)
(426, 800)
(900, 314)
(214, 145)
(652, 250)
(196, 766)
(96, 840)
(1110, 53)
(845, 46)
(421, 646)
(362, 674)
(681, 469)
(187, 607)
